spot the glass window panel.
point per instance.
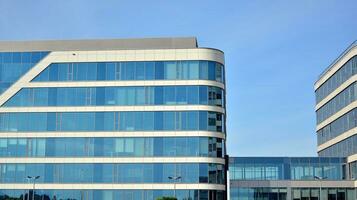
(170, 70)
(192, 94)
(149, 70)
(193, 70)
(140, 71)
(159, 70)
(181, 95)
(169, 95)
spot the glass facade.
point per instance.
(340, 101)
(353, 170)
(151, 70)
(112, 147)
(342, 124)
(110, 194)
(118, 96)
(344, 73)
(112, 121)
(326, 194)
(343, 149)
(15, 64)
(264, 193)
(113, 173)
(259, 178)
(282, 168)
(161, 133)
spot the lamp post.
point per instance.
(26, 191)
(174, 178)
(34, 178)
(320, 180)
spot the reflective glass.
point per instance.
(340, 101)
(344, 123)
(344, 148)
(121, 96)
(112, 194)
(111, 121)
(15, 64)
(283, 168)
(114, 173)
(345, 72)
(158, 70)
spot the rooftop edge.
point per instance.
(354, 44)
(100, 44)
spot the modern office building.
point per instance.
(290, 178)
(131, 119)
(336, 109)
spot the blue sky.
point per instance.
(274, 52)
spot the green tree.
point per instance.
(166, 198)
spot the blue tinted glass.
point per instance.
(128, 70)
(169, 95)
(158, 120)
(193, 70)
(148, 121)
(36, 57)
(211, 70)
(140, 71)
(101, 71)
(110, 71)
(26, 57)
(170, 70)
(53, 72)
(157, 95)
(181, 95)
(7, 57)
(203, 120)
(192, 120)
(16, 57)
(64, 68)
(203, 95)
(149, 70)
(159, 70)
(169, 121)
(192, 94)
(203, 70)
(133, 194)
(13, 65)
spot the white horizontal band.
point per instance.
(110, 186)
(113, 108)
(138, 55)
(123, 83)
(112, 134)
(352, 158)
(114, 160)
(337, 115)
(337, 139)
(336, 92)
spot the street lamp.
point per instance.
(319, 178)
(174, 178)
(34, 178)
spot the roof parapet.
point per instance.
(100, 44)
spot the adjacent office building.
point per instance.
(290, 178)
(332, 175)
(336, 109)
(132, 119)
